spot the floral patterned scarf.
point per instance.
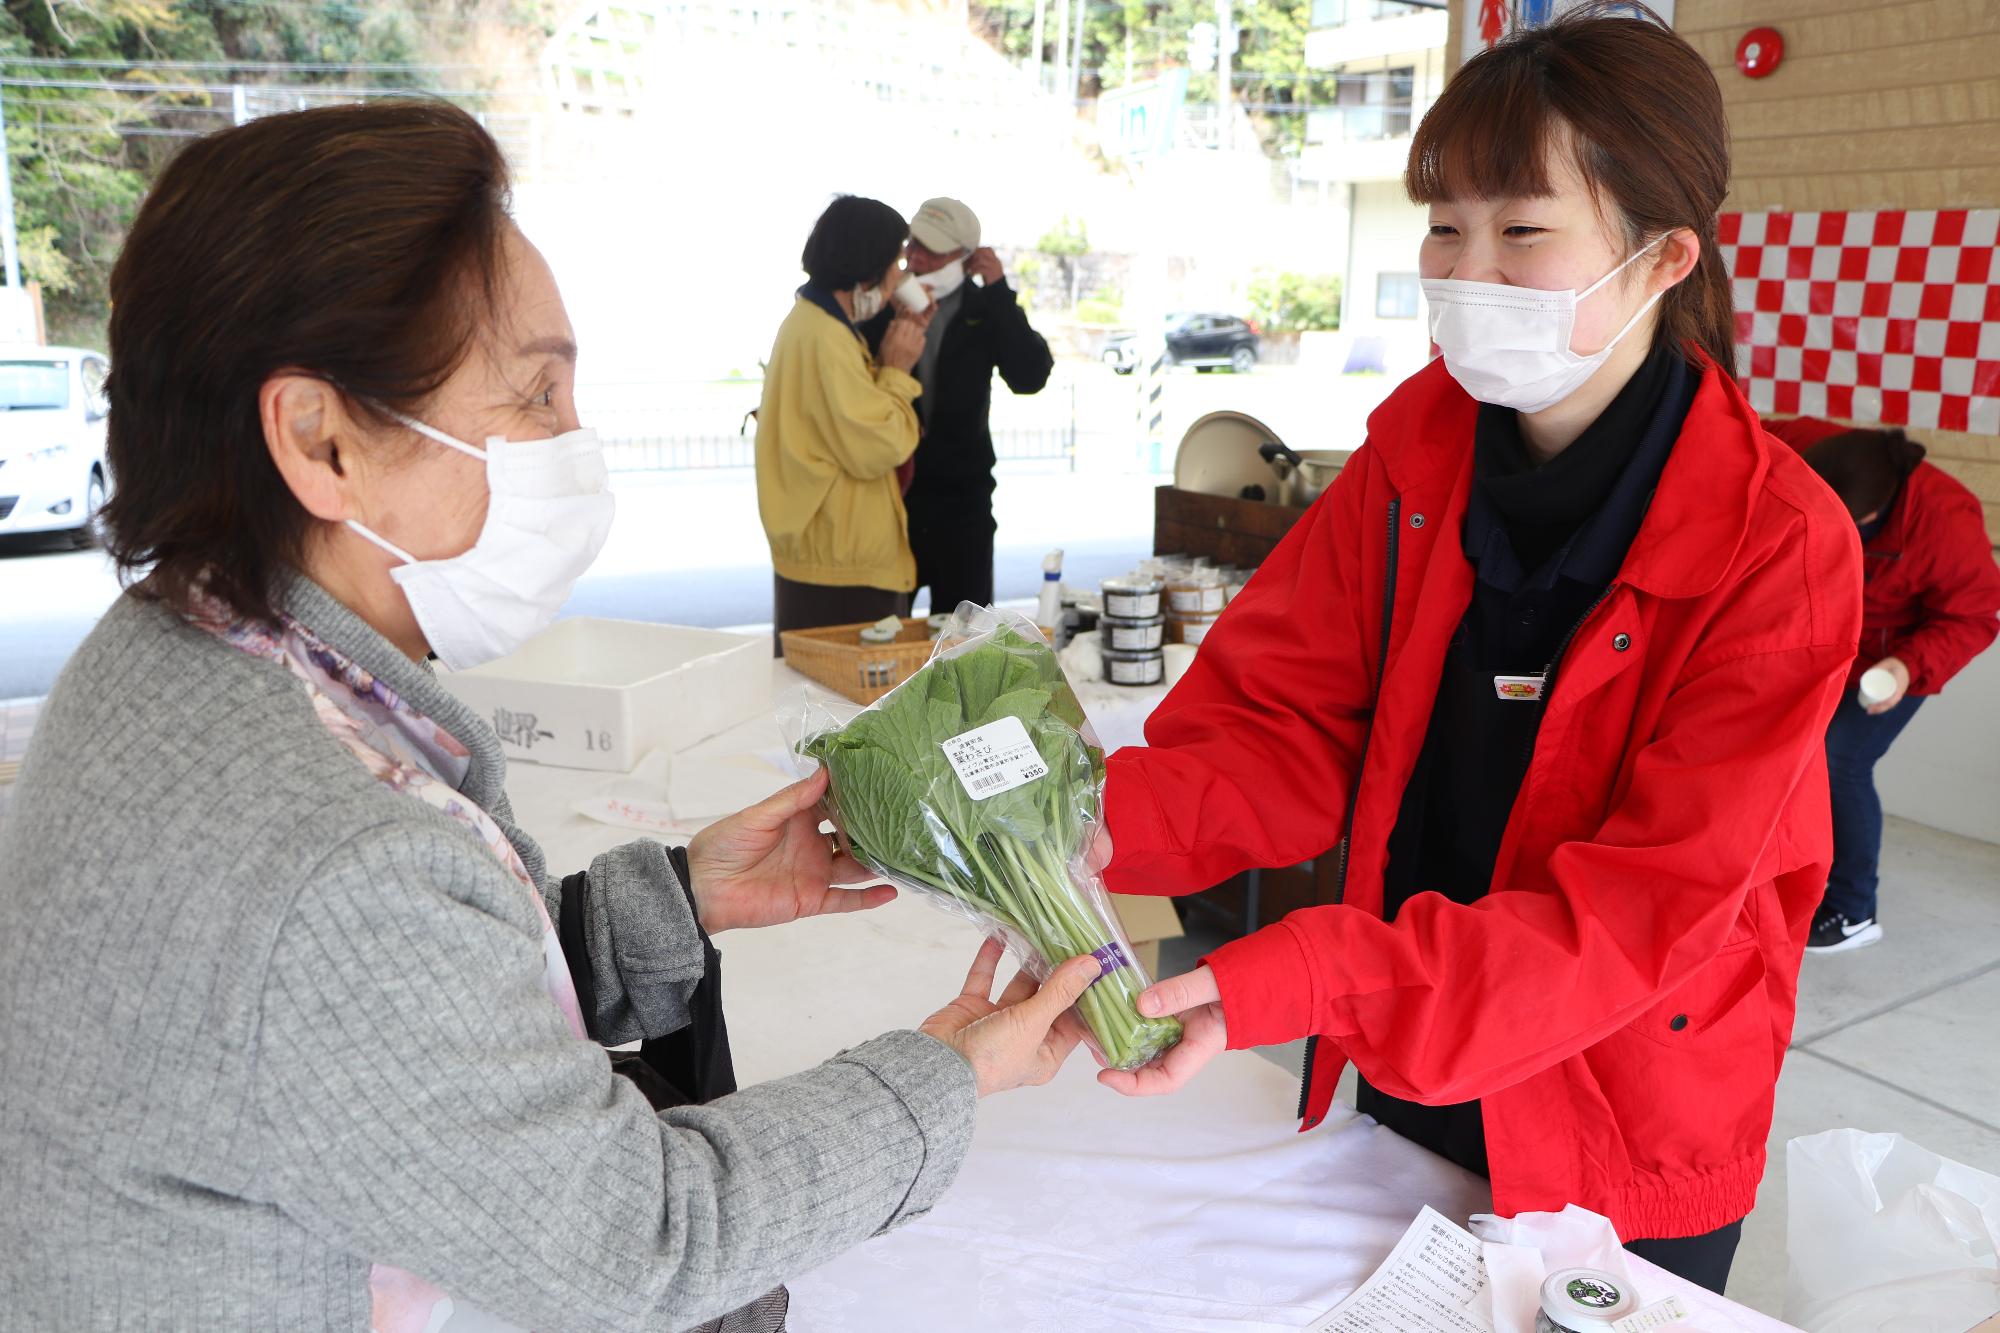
(409, 753)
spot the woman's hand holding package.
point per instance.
(770, 864)
(1195, 997)
(1023, 1039)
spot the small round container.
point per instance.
(1583, 1300)
(879, 634)
(1121, 668)
(1134, 597)
(1200, 593)
(1877, 687)
(1190, 629)
(1133, 636)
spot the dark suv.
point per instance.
(1193, 340)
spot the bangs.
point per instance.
(1492, 135)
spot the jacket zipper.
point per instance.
(1354, 791)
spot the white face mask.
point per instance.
(867, 303)
(1510, 345)
(944, 281)
(548, 510)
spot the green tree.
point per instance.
(93, 110)
(1129, 40)
(1296, 302)
(1066, 243)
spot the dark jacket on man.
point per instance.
(990, 332)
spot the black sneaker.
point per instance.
(1832, 932)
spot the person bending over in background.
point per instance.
(1930, 593)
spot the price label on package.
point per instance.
(996, 758)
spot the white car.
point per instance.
(52, 410)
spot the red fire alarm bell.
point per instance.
(1759, 52)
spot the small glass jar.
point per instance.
(1126, 668)
(1134, 596)
(1197, 593)
(1190, 629)
(1134, 636)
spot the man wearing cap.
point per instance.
(978, 327)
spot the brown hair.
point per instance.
(351, 242)
(1865, 468)
(1640, 113)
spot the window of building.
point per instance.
(1396, 295)
(1377, 104)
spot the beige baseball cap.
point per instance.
(945, 225)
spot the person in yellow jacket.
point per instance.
(835, 427)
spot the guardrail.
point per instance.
(680, 426)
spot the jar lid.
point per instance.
(1134, 655)
(1586, 1300)
(1133, 585)
(1127, 622)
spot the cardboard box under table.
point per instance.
(602, 694)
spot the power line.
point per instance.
(142, 86)
(263, 66)
(148, 131)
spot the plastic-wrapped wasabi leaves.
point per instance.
(978, 780)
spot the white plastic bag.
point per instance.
(1886, 1235)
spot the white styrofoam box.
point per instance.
(589, 693)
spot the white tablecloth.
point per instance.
(1077, 1211)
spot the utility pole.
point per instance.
(9, 240)
(1225, 47)
(1062, 46)
(1076, 64)
(1041, 16)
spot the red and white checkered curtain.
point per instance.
(1889, 317)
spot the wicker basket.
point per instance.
(863, 672)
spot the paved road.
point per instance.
(688, 548)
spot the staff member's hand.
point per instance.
(1196, 998)
(1023, 1039)
(1894, 666)
(903, 342)
(984, 265)
(771, 864)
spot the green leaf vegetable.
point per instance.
(1008, 857)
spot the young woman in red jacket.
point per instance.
(1547, 671)
(1929, 600)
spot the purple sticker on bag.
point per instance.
(1110, 958)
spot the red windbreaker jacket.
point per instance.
(1931, 590)
(1622, 998)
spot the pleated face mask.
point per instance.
(1510, 345)
(548, 511)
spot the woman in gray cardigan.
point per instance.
(291, 1038)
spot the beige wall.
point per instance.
(1890, 105)
(1886, 105)
(1387, 231)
